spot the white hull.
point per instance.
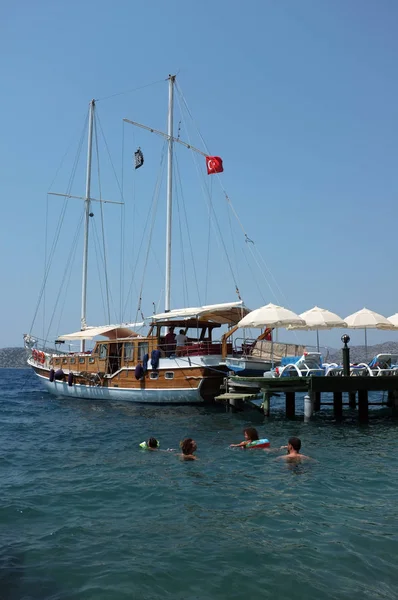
(249, 366)
(87, 392)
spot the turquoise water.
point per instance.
(86, 514)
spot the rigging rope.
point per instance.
(130, 91)
(247, 239)
(102, 223)
(134, 267)
(154, 204)
(188, 232)
(68, 266)
(122, 236)
(214, 221)
(48, 261)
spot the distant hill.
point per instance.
(357, 353)
(13, 358)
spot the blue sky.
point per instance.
(298, 98)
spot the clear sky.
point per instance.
(299, 98)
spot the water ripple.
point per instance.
(84, 513)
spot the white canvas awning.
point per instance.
(109, 331)
(228, 313)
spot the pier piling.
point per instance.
(352, 402)
(290, 405)
(338, 405)
(363, 406)
(266, 403)
(317, 401)
(308, 407)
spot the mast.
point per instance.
(169, 192)
(87, 201)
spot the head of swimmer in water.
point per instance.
(294, 443)
(188, 446)
(152, 443)
(251, 434)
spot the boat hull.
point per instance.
(142, 396)
(248, 367)
(191, 386)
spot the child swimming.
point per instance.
(250, 434)
(151, 444)
(188, 447)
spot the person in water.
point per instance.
(151, 444)
(293, 451)
(250, 434)
(188, 447)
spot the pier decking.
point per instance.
(357, 388)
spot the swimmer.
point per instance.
(151, 444)
(250, 434)
(293, 451)
(188, 447)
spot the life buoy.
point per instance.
(34, 354)
(264, 443)
(42, 358)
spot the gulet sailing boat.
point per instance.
(132, 367)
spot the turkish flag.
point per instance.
(214, 165)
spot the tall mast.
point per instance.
(169, 192)
(87, 217)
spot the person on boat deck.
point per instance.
(250, 434)
(188, 447)
(293, 451)
(170, 342)
(181, 340)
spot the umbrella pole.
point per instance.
(366, 346)
(317, 340)
(272, 351)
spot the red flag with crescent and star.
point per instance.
(214, 165)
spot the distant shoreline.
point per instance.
(16, 357)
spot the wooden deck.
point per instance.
(357, 388)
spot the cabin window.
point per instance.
(128, 351)
(169, 375)
(91, 360)
(72, 361)
(143, 348)
(57, 361)
(103, 351)
(64, 360)
(154, 375)
(82, 359)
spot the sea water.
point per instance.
(86, 514)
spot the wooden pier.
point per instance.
(356, 387)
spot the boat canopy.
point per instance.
(109, 331)
(229, 313)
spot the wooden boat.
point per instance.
(132, 367)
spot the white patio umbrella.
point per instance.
(272, 316)
(394, 319)
(320, 318)
(367, 319)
